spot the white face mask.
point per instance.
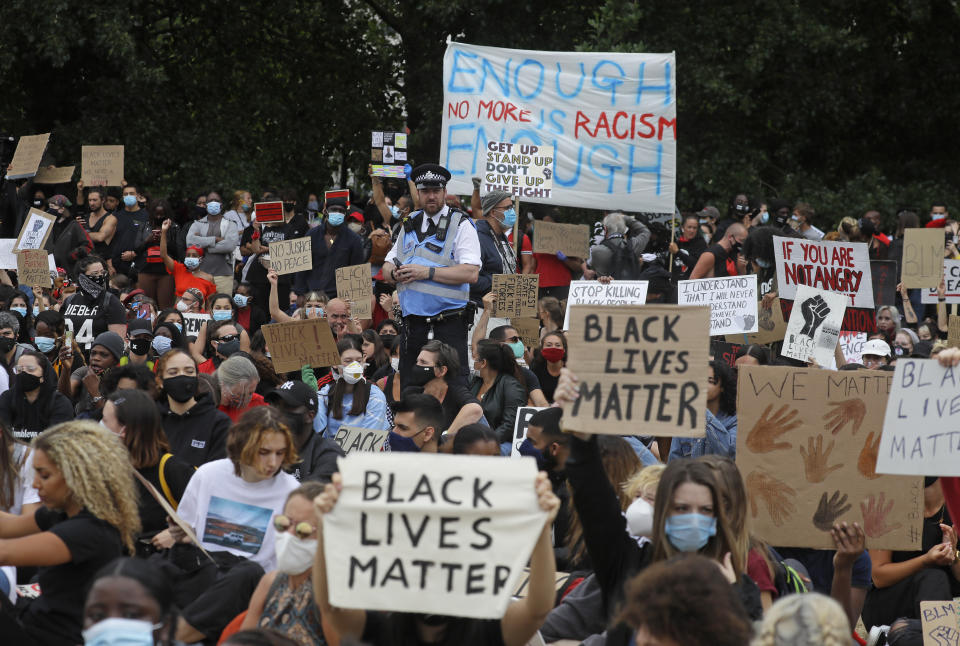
(640, 518)
(183, 307)
(295, 555)
(114, 631)
(353, 372)
(395, 363)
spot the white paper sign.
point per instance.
(524, 413)
(192, 324)
(509, 169)
(951, 279)
(8, 259)
(921, 428)
(354, 438)
(609, 121)
(415, 532)
(836, 267)
(732, 301)
(814, 325)
(592, 292)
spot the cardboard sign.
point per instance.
(951, 281)
(354, 438)
(35, 231)
(807, 443)
(8, 259)
(520, 169)
(27, 156)
(101, 165)
(572, 239)
(171, 512)
(291, 256)
(296, 344)
(192, 322)
(516, 295)
(922, 258)
(520, 425)
(939, 624)
(355, 286)
(268, 212)
(770, 326)
(388, 150)
(611, 118)
(33, 269)
(732, 301)
(814, 326)
(855, 319)
(920, 433)
(592, 292)
(61, 175)
(416, 531)
(836, 267)
(529, 331)
(885, 279)
(639, 367)
(953, 332)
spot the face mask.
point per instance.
(22, 311)
(899, 350)
(222, 315)
(28, 382)
(356, 227)
(191, 263)
(240, 300)
(353, 372)
(395, 363)
(765, 217)
(179, 328)
(794, 218)
(938, 216)
(553, 354)
(289, 206)
(183, 307)
(213, 208)
(640, 518)
(742, 208)
(528, 449)
(706, 238)
(420, 375)
(117, 631)
(401, 444)
(395, 211)
(735, 249)
(244, 207)
(140, 346)
(763, 263)
(228, 348)
(38, 203)
(161, 344)
(44, 343)
(313, 205)
(517, 349)
(130, 200)
(690, 532)
(335, 218)
(92, 287)
(36, 310)
(180, 388)
(294, 554)
(315, 312)
(509, 218)
(6, 344)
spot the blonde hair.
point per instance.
(800, 619)
(96, 468)
(939, 346)
(643, 479)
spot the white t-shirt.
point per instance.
(24, 494)
(230, 514)
(466, 248)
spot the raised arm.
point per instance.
(908, 314)
(168, 262)
(475, 204)
(380, 200)
(278, 315)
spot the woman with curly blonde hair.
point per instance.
(804, 620)
(84, 478)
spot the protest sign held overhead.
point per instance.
(354, 438)
(592, 292)
(922, 264)
(951, 283)
(516, 295)
(35, 230)
(524, 413)
(732, 301)
(299, 343)
(416, 531)
(609, 121)
(837, 267)
(814, 326)
(355, 286)
(27, 156)
(101, 165)
(770, 326)
(8, 259)
(807, 445)
(268, 212)
(921, 433)
(388, 151)
(639, 368)
(33, 269)
(515, 168)
(571, 239)
(60, 175)
(291, 256)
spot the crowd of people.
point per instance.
(141, 381)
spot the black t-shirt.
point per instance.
(177, 474)
(87, 318)
(56, 616)
(932, 536)
(398, 629)
(548, 383)
(719, 260)
(456, 398)
(257, 274)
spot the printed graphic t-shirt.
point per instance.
(230, 514)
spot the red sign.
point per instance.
(269, 211)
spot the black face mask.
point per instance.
(92, 287)
(28, 382)
(6, 344)
(199, 211)
(140, 346)
(421, 375)
(736, 248)
(742, 208)
(180, 388)
(289, 206)
(37, 203)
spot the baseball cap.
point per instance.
(876, 347)
(293, 394)
(709, 212)
(138, 327)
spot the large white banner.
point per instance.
(441, 534)
(838, 267)
(608, 121)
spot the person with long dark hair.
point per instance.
(350, 400)
(549, 360)
(374, 353)
(721, 418)
(499, 387)
(33, 403)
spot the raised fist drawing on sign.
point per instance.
(814, 311)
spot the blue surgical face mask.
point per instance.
(517, 349)
(509, 218)
(335, 218)
(117, 631)
(22, 311)
(36, 310)
(130, 200)
(161, 344)
(690, 532)
(397, 442)
(213, 208)
(240, 300)
(765, 217)
(191, 263)
(222, 315)
(245, 207)
(44, 343)
(395, 210)
(313, 205)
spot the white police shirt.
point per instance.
(466, 247)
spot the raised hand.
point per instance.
(850, 411)
(867, 462)
(774, 495)
(815, 460)
(762, 437)
(850, 543)
(830, 510)
(875, 511)
(814, 310)
(166, 225)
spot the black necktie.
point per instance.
(431, 229)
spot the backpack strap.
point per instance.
(163, 481)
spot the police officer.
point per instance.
(433, 263)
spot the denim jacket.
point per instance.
(720, 439)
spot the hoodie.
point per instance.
(200, 434)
